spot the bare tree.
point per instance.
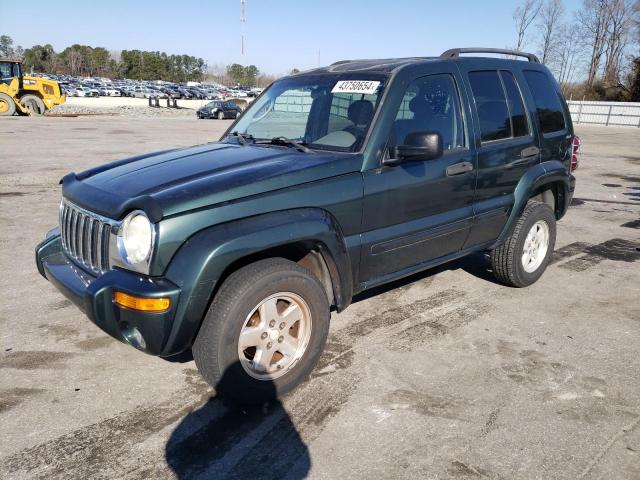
(549, 24)
(75, 61)
(569, 53)
(524, 15)
(594, 22)
(621, 20)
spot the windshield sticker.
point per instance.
(356, 86)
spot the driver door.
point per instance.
(417, 212)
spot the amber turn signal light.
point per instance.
(141, 303)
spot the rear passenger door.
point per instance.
(507, 148)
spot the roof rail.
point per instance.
(455, 53)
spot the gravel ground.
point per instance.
(444, 375)
(124, 110)
(130, 107)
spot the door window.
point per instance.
(547, 101)
(519, 122)
(491, 104)
(430, 104)
(499, 103)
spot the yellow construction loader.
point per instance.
(26, 95)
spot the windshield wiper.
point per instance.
(242, 138)
(287, 142)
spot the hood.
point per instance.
(169, 182)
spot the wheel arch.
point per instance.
(36, 93)
(310, 237)
(547, 182)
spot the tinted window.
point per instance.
(547, 101)
(491, 104)
(430, 104)
(516, 107)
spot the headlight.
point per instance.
(135, 238)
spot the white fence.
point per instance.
(618, 114)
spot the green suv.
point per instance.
(332, 182)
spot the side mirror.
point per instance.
(418, 146)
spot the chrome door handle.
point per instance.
(459, 168)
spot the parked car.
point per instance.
(184, 92)
(112, 92)
(197, 93)
(144, 92)
(238, 250)
(172, 92)
(84, 91)
(238, 93)
(219, 110)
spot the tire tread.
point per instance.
(504, 257)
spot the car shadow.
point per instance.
(223, 440)
(476, 264)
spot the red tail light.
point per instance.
(575, 152)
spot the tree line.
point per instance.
(86, 61)
(594, 54)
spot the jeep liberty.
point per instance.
(333, 181)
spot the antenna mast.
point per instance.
(242, 27)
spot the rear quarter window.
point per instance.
(547, 100)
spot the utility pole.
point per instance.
(242, 27)
(318, 57)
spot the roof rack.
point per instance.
(455, 53)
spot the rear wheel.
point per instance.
(523, 257)
(264, 331)
(33, 104)
(7, 105)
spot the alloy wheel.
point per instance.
(274, 336)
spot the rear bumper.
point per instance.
(94, 296)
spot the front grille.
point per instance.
(85, 236)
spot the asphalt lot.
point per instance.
(444, 375)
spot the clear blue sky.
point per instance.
(279, 34)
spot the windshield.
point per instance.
(327, 112)
(9, 69)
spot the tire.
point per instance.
(33, 104)
(509, 259)
(7, 105)
(220, 115)
(217, 352)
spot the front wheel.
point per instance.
(523, 257)
(264, 331)
(7, 105)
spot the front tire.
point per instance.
(523, 257)
(7, 105)
(264, 332)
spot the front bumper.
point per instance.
(94, 296)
